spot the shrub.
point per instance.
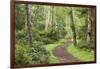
(22, 55)
(39, 53)
(35, 54)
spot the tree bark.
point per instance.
(54, 23)
(93, 22)
(73, 27)
(29, 25)
(47, 17)
(91, 25)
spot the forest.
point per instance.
(48, 34)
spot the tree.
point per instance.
(29, 24)
(91, 27)
(73, 26)
(54, 23)
(48, 15)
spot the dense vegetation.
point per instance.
(40, 28)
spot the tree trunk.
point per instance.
(29, 25)
(47, 17)
(91, 25)
(50, 18)
(54, 23)
(89, 29)
(73, 27)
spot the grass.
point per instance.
(61, 41)
(51, 47)
(81, 54)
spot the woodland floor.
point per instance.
(63, 55)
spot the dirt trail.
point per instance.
(63, 55)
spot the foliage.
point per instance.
(22, 55)
(26, 55)
(38, 51)
(19, 17)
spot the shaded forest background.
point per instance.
(40, 28)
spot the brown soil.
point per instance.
(62, 54)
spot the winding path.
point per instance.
(61, 53)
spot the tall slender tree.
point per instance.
(29, 24)
(91, 26)
(48, 15)
(73, 26)
(54, 23)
